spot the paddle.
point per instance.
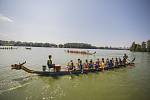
(129, 60)
(132, 60)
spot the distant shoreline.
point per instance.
(51, 45)
(3, 47)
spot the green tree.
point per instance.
(148, 45)
(138, 48)
(143, 47)
(133, 47)
(60, 45)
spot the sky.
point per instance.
(115, 23)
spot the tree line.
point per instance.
(66, 45)
(143, 47)
(31, 44)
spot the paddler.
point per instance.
(116, 62)
(107, 63)
(120, 61)
(111, 64)
(125, 57)
(91, 64)
(97, 64)
(78, 64)
(102, 64)
(81, 66)
(71, 66)
(86, 65)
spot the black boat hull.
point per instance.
(77, 72)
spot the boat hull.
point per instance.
(77, 72)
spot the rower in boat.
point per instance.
(49, 63)
(125, 57)
(78, 64)
(102, 64)
(107, 63)
(97, 64)
(116, 63)
(86, 65)
(120, 61)
(81, 66)
(111, 64)
(71, 66)
(91, 64)
(113, 60)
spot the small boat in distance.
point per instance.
(28, 48)
(80, 52)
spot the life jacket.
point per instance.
(70, 65)
(97, 63)
(49, 62)
(102, 64)
(86, 65)
(111, 64)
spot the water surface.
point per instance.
(120, 84)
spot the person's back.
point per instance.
(78, 64)
(91, 64)
(107, 62)
(113, 60)
(111, 64)
(120, 61)
(97, 65)
(102, 64)
(125, 57)
(71, 66)
(86, 65)
(124, 61)
(81, 66)
(116, 62)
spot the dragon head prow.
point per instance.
(17, 66)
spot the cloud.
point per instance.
(5, 19)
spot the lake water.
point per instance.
(131, 83)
